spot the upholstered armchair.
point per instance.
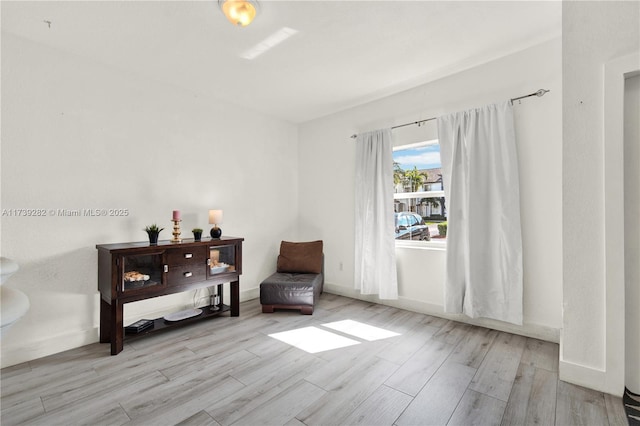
(298, 280)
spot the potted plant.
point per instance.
(197, 234)
(153, 231)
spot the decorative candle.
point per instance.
(176, 215)
(215, 256)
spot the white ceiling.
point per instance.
(344, 54)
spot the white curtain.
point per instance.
(375, 257)
(484, 239)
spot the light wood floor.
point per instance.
(229, 371)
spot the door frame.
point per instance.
(615, 74)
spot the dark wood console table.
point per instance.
(129, 272)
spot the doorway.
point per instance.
(632, 231)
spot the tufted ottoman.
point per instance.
(299, 279)
(290, 291)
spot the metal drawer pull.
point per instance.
(166, 268)
(188, 255)
(187, 274)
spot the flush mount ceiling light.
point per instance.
(239, 12)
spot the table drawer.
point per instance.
(196, 256)
(186, 274)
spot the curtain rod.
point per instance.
(539, 93)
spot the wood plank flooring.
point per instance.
(229, 371)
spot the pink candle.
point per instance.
(176, 215)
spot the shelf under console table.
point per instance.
(130, 272)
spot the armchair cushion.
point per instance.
(305, 258)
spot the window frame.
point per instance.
(434, 244)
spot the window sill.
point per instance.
(422, 245)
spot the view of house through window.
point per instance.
(419, 204)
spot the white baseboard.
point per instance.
(587, 377)
(17, 354)
(51, 345)
(529, 330)
(250, 294)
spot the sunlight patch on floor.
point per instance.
(313, 339)
(361, 330)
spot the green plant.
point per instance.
(153, 229)
(415, 178)
(398, 173)
(442, 229)
(194, 230)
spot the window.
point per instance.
(419, 204)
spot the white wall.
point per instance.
(327, 178)
(76, 134)
(594, 33)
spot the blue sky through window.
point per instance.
(424, 157)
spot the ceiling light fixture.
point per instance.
(239, 12)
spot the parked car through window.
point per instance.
(411, 226)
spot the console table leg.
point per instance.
(235, 298)
(117, 330)
(105, 324)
